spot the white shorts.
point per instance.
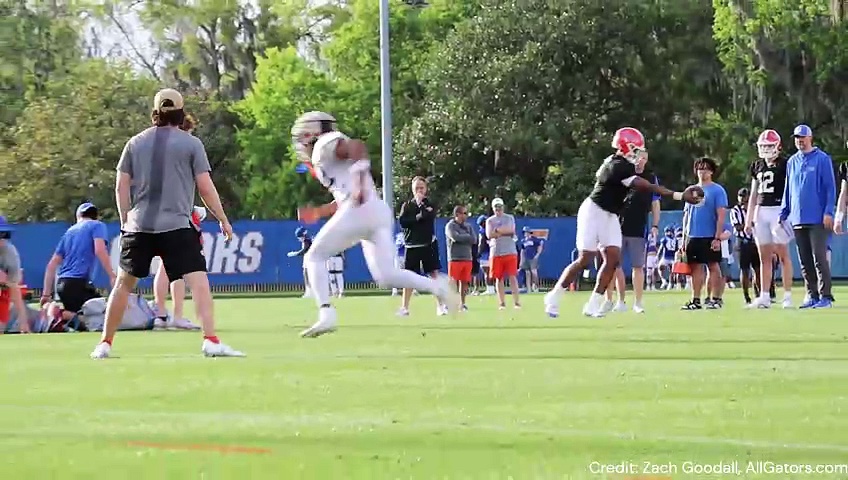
(766, 224)
(596, 228)
(651, 261)
(335, 264)
(666, 262)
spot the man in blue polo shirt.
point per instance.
(75, 256)
(809, 201)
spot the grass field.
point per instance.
(487, 394)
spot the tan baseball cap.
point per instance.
(167, 100)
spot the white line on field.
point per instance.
(343, 422)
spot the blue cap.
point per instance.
(481, 219)
(301, 168)
(5, 226)
(84, 208)
(802, 131)
(525, 229)
(300, 232)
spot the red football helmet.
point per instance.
(629, 143)
(768, 144)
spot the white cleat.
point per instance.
(326, 324)
(447, 295)
(606, 307)
(620, 307)
(182, 324)
(637, 308)
(211, 349)
(551, 305)
(591, 311)
(441, 310)
(787, 300)
(760, 302)
(102, 350)
(402, 312)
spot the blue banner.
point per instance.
(257, 253)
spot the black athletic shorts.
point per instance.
(423, 260)
(74, 292)
(698, 252)
(749, 257)
(180, 250)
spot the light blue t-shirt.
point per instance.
(701, 219)
(77, 248)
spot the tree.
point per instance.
(285, 87)
(37, 43)
(537, 89)
(788, 61)
(68, 141)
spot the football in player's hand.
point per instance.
(693, 194)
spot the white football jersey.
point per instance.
(333, 173)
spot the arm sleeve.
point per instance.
(100, 231)
(406, 217)
(829, 187)
(13, 261)
(199, 160)
(786, 204)
(125, 162)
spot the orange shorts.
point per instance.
(504, 266)
(460, 270)
(5, 305)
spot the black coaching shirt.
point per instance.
(771, 181)
(610, 192)
(637, 206)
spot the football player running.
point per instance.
(598, 224)
(768, 180)
(357, 215)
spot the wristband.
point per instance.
(677, 195)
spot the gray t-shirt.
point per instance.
(502, 245)
(163, 163)
(10, 262)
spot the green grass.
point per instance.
(487, 394)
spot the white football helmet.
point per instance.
(307, 128)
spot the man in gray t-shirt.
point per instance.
(503, 256)
(158, 173)
(10, 279)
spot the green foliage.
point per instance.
(490, 98)
(68, 142)
(285, 87)
(545, 88)
(789, 61)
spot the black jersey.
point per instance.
(771, 180)
(610, 192)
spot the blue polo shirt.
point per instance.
(76, 248)
(702, 219)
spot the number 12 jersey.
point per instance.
(771, 180)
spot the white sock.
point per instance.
(318, 278)
(339, 281)
(407, 279)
